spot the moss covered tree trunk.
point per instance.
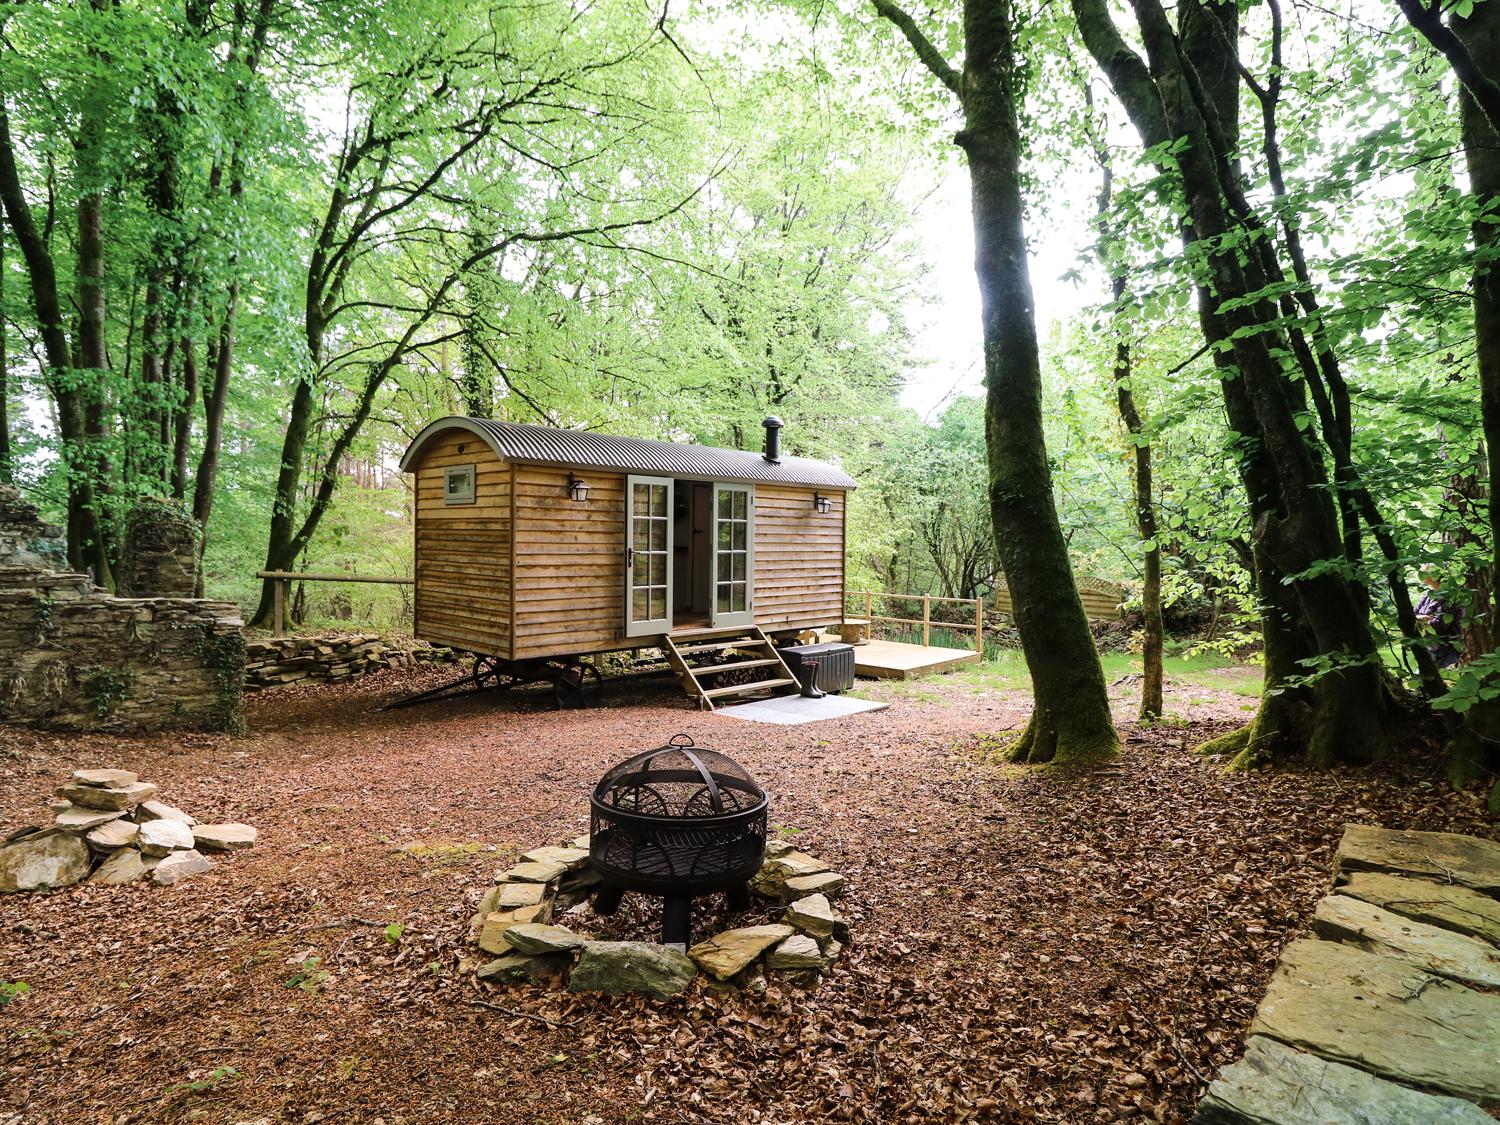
(1070, 720)
(1186, 89)
(1474, 51)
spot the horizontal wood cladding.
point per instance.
(569, 562)
(799, 558)
(462, 553)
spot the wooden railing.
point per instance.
(283, 580)
(925, 621)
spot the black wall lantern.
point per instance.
(577, 489)
(821, 504)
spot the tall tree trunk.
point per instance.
(1153, 631)
(83, 528)
(1296, 528)
(7, 471)
(1475, 753)
(1070, 720)
(93, 351)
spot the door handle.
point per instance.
(629, 557)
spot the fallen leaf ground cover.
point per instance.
(1027, 945)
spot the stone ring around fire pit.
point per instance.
(517, 925)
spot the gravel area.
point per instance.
(1028, 946)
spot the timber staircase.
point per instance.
(703, 658)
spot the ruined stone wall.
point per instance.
(331, 658)
(73, 657)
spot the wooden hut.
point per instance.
(536, 545)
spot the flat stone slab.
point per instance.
(828, 883)
(797, 952)
(794, 710)
(77, 819)
(1439, 951)
(535, 938)
(813, 915)
(533, 873)
(1384, 1016)
(725, 954)
(770, 880)
(632, 966)
(497, 922)
(520, 894)
(115, 834)
(179, 865)
(1447, 856)
(111, 797)
(157, 810)
(515, 967)
(571, 859)
(125, 866)
(1275, 1085)
(1438, 904)
(162, 837)
(43, 859)
(224, 837)
(109, 778)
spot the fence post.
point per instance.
(278, 613)
(979, 625)
(926, 620)
(869, 614)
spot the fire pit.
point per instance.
(679, 821)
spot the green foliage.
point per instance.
(106, 689)
(11, 991)
(309, 978)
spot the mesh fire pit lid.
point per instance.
(679, 780)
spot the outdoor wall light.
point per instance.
(578, 490)
(821, 504)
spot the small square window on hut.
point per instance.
(458, 484)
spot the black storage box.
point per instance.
(835, 663)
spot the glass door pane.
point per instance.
(734, 555)
(648, 556)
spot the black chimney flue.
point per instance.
(773, 426)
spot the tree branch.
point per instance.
(930, 56)
(1429, 22)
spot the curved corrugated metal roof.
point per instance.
(544, 445)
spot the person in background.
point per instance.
(1444, 619)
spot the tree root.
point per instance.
(1044, 746)
(1231, 743)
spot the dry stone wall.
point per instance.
(75, 658)
(330, 658)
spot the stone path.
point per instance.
(1389, 1014)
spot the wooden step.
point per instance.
(706, 669)
(759, 685)
(692, 635)
(720, 646)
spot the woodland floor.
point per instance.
(1026, 945)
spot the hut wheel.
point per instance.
(576, 685)
(486, 672)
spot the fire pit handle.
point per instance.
(686, 750)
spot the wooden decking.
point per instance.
(891, 660)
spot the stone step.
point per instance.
(1382, 1015)
(1276, 1085)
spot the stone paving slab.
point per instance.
(1438, 904)
(1455, 956)
(1276, 1085)
(1384, 1016)
(1448, 856)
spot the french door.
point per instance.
(733, 565)
(648, 556)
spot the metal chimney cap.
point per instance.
(772, 423)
